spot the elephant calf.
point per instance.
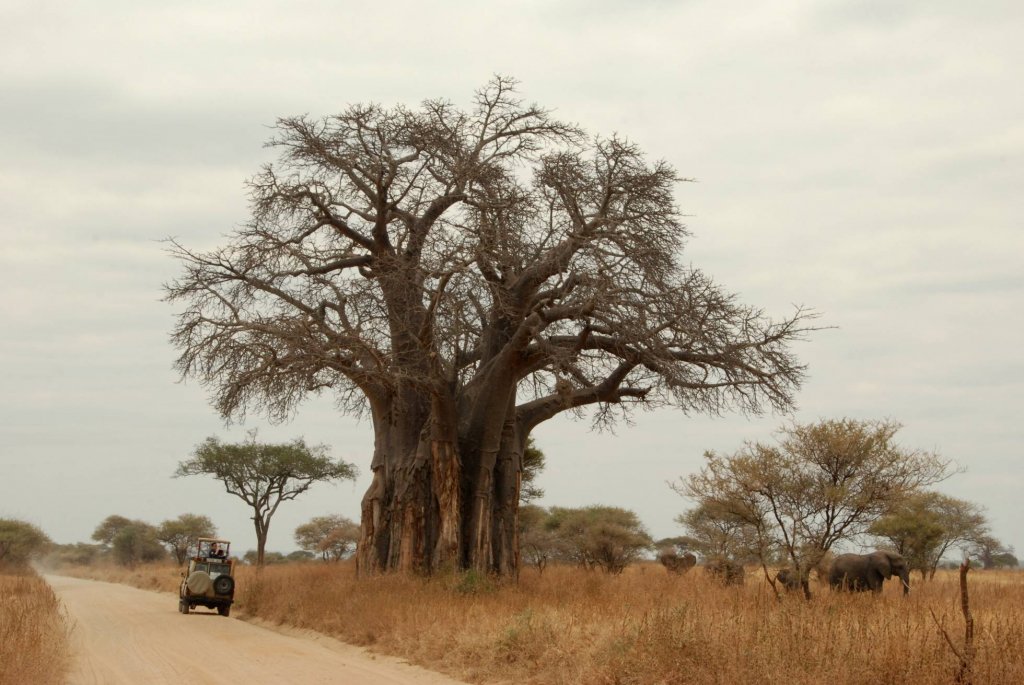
(789, 579)
(861, 572)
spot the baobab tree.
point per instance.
(462, 276)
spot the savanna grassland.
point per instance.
(34, 648)
(570, 626)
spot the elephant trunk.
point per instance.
(905, 579)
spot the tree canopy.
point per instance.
(992, 552)
(538, 542)
(20, 541)
(609, 538)
(135, 543)
(182, 533)
(109, 527)
(264, 475)
(130, 541)
(463, 276)
(332, 537)
(718, 533)
(926, 525)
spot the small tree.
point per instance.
(182, 533)
(135, 543)
(1005, 559)
(819, 484)
(991, 552)
(109, 528)
(252, 557)
(538, 541)
(717, 533)
(609, 538)
(681, 544)
(264, 475)
(331, 537)
(926, 525)
(129, 540)
(20, 541)
(79, 554)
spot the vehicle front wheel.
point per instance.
(182, 606)
(224, 610)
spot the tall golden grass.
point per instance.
(574, 627)
(34, 632)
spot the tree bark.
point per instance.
(440, 502)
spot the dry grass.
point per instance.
(34, 631)
(160, 577)
(571, 627)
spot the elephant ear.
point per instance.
(883, 564)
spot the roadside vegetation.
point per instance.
(34, 631)
(573, 626)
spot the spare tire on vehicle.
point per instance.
(224, 585)
(199, 583)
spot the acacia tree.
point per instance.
(109, 527)
(333, 537)
(991, 552)
(130, 541)
(264, 475)
(926, 525)
(718, 533)
(137, 542)
(609, 538)
(538, 542)
(462, 277)
(819, 484)
(183, 533)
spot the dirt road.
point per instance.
(125, 635)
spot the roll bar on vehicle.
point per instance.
(212, 548)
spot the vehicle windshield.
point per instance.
(213, 569)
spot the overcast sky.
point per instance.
(863, 158)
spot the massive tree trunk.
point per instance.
(440, 501)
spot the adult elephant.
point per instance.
(728, 571)
(675, 563)
(868, 571)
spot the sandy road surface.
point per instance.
(125, 635)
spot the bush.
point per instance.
(20, 542)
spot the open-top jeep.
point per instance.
(209, 581)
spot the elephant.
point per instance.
(789, 579)
(868, 571)
(675, 563)
(728, 571)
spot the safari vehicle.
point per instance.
(210, 579)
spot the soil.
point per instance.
(124, 635)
